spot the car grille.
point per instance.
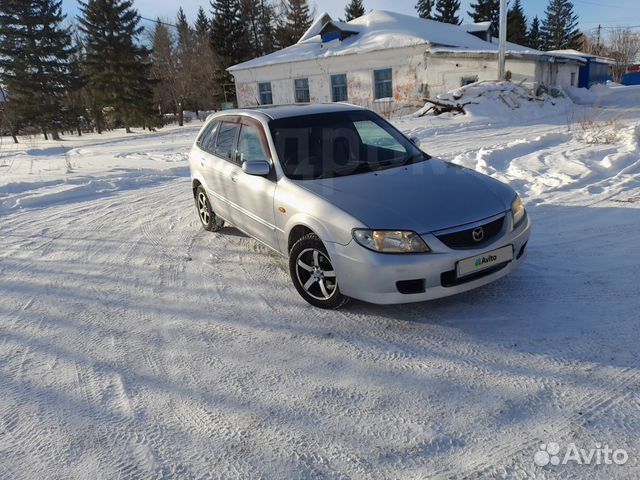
(464, 238)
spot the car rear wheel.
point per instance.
(209, 220)
(313, 274)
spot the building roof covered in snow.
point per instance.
(476, 27)
(576, 54)
(378, 30)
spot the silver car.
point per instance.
(359, 210)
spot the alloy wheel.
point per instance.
(203, 208)
(315, 273)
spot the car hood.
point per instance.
(423, 197)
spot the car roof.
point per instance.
(275, 112)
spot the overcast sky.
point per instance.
(591, 12)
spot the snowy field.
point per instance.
(135, 345)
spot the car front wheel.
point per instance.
(209, 220)
(313, 274)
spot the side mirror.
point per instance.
(260, 168)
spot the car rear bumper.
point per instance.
(381, 278)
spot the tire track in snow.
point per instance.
(626, 384)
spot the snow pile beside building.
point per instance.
(498, 100)
(606, 95)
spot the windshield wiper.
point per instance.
(416, 158)
(348, 170)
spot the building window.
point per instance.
(265, 93)
(339, 88)
(382, 84)
(573, 79)
(302, 90)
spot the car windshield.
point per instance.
(340, 143)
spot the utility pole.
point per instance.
(502, 41)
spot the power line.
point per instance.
(589, 2)
(158, 21)
(613, 27)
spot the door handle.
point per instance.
(234, 177)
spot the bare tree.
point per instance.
(165, 69)
(592, 45)
(207, 68)
(185, 68)
(7, 122)
(624, 47)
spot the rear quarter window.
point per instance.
(207, 139)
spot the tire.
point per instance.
(311, 267)
(209, 220)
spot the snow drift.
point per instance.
(501, 101)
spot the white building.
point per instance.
(387, 61)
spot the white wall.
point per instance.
(445, 73)
(416, 74)
(407, 65)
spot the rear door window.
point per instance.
(226, 140)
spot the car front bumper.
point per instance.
(373, 277)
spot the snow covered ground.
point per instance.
(133, 344)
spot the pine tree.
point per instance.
(267, 26)
(354, 9)
(486, 11)
(202, 24)
(36, 64)
(117, 66)
(258, 17)
(187, 63)
(516, 24)
(533, 36)
(424, 8)
(228, 33)
(295, 20)
(206, 75)
(560, 26)
(447, 11)
(164, 68)
(75, 96)
(185, 33)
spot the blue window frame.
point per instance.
(382, 84)
(339, 88)
(301, 86)
(266, 98)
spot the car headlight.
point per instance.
(390, 241)
(517, 211)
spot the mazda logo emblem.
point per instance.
(477, 234)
